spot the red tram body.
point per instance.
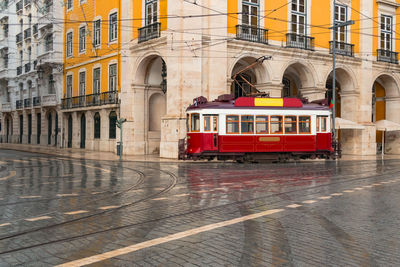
(251, 128)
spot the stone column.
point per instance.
(273, 89)
(392, 141)
(45, 130)
(313, 93)
(76, 130)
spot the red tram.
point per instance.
(251, 128)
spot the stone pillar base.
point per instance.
(173, 129)
(313, 93)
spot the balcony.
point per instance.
(36, 101)
(294, 40)
(6, 107)
(27, 3)
(49, 100)
(343, 49)
(19, 6)
(4, 73)
(27, 34)
(149, 32)
(18, 104)
(27, 67)
(252, 34)
(27, 102)
(106, 98)
(19, 70)
(46, 17)
(387, 56)
(19, 38)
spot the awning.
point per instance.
(347, 124)
(387, 126)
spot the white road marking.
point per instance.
(20, 160)
(327, 197)
(358, 188)
(12, 174)
(348, 191)
(93, 167)
(5, 224)
(108, 207)
(337, 194)
(376, 184)
(160, 198)
(38, 219)
(162, 240)
(182, 195)
(67, 195)
(385, 182)
(309, 201)
(29, 197)
(95, 193)
(3, 162)
(367, 186)
(75, 212)
(293, 206)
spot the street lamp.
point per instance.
(334, 27)
(164, 77)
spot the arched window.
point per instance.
(113, 125)
(97, 125)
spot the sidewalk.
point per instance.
(82, 154)
(99, 155)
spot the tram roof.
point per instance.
(225, 102)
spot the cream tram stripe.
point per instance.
(161, 240)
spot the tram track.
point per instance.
(193, 211)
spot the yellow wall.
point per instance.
(139, 18)
(354, 29)
(276, 21)
(107, 52)
(320, 22)
(375, 31)
(232, 20)
(380, 109)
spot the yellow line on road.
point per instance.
(29, 197)
(108, 207)
(309, 201)
(5, 224)
(12, 174)
(293, 206)
(75, 212)
(162, 240)
(327, 197)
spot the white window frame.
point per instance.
(96, 83)
(113, 27)
(68, 85)
(69, 42)
(70, 5)
(81, 2)
(153, 4)
(297, 13)
(82, 84)
(338, 19)
(97, 33)
(82, 40)
(386, 31)
(112, 80)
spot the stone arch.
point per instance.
(385, 106)
(142, 66)
(257, 75)
(157, 109)
(302, 77)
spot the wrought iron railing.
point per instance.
(19, 38)
(252, 34)
(18, 104)
(341, 48)
(27, 67)
(149, 32)
(99, 99)
(387, 56)
(19, 70)
(27, 102)
(27, 33)
(294, 40)
(36, 101)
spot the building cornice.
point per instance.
(388, 2)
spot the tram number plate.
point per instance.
(269, 139)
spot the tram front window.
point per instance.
(195, 122)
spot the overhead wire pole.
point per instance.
(334, 27)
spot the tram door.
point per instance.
(211, 132)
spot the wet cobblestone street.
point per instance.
(57, 210)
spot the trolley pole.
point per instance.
(334, 27)
(120, 122)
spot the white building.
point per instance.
(31, 67)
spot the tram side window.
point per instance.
(290, 125)
(324, 126)
(247, 124)
(304, 124)
(215, 124)
(195, 122)
(187, 122)
(276, 125)
(207, 124)
(232, 124)
(318, 122)
(262, 124)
